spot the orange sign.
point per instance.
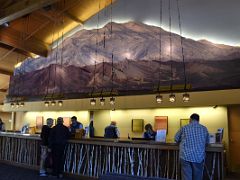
(39, 122)
(161, 122)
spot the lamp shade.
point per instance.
(102, 101)
(186, 97)
(112, 100)
(93, 102)
(159, 99)
(60, 103)
(172, 98)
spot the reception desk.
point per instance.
(93, 157)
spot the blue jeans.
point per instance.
(191, 170)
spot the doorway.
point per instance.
(234, 138)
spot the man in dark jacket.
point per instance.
(44, 145)
(57, 142)
(112, 131)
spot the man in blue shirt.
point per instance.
(112, 131)
(193, 139)
(75, 125)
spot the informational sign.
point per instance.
(219, 135)
(212, 138)
(184, 122)
(39, 122)
(161, 122)
(161, 135)
(137, 125)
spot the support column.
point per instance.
(13, 121)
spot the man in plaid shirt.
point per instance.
(193, 139)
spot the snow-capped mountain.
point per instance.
(132, 41)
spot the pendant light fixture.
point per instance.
(12, 105)
(48, 96)
(172, 97)
(53, 103)
(17, 101)
(61, 94)
(112, 99)
(60, 103)
(159, 98)
(22, 104)
(17, 105)
(54, 97)
(102, 101)
(46, 103)
(93, 100)
(186, 96)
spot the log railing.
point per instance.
(92, 157)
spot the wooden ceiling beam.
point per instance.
(13, 38)
(22, 8)
(5, 72)
(7, 47)
(48, 16)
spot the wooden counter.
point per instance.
(92, 157)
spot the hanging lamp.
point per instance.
(112, 99)
(172, 97)
(159, 98)
(186, 96)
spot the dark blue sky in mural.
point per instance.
(215, 20)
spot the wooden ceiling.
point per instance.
(29, 27)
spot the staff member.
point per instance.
(2, 125)
(149, 133)
(193, 139)
(75, 125)
(112, 131)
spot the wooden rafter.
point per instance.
(68, 6)
(15, 50)
(13, 38)
(21, 8)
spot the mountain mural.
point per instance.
(142, 60)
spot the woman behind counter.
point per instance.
(2, 125)
(149, 133)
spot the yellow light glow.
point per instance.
(191, 36)
(86, 11)
(18, 65)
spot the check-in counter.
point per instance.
(94, 156)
